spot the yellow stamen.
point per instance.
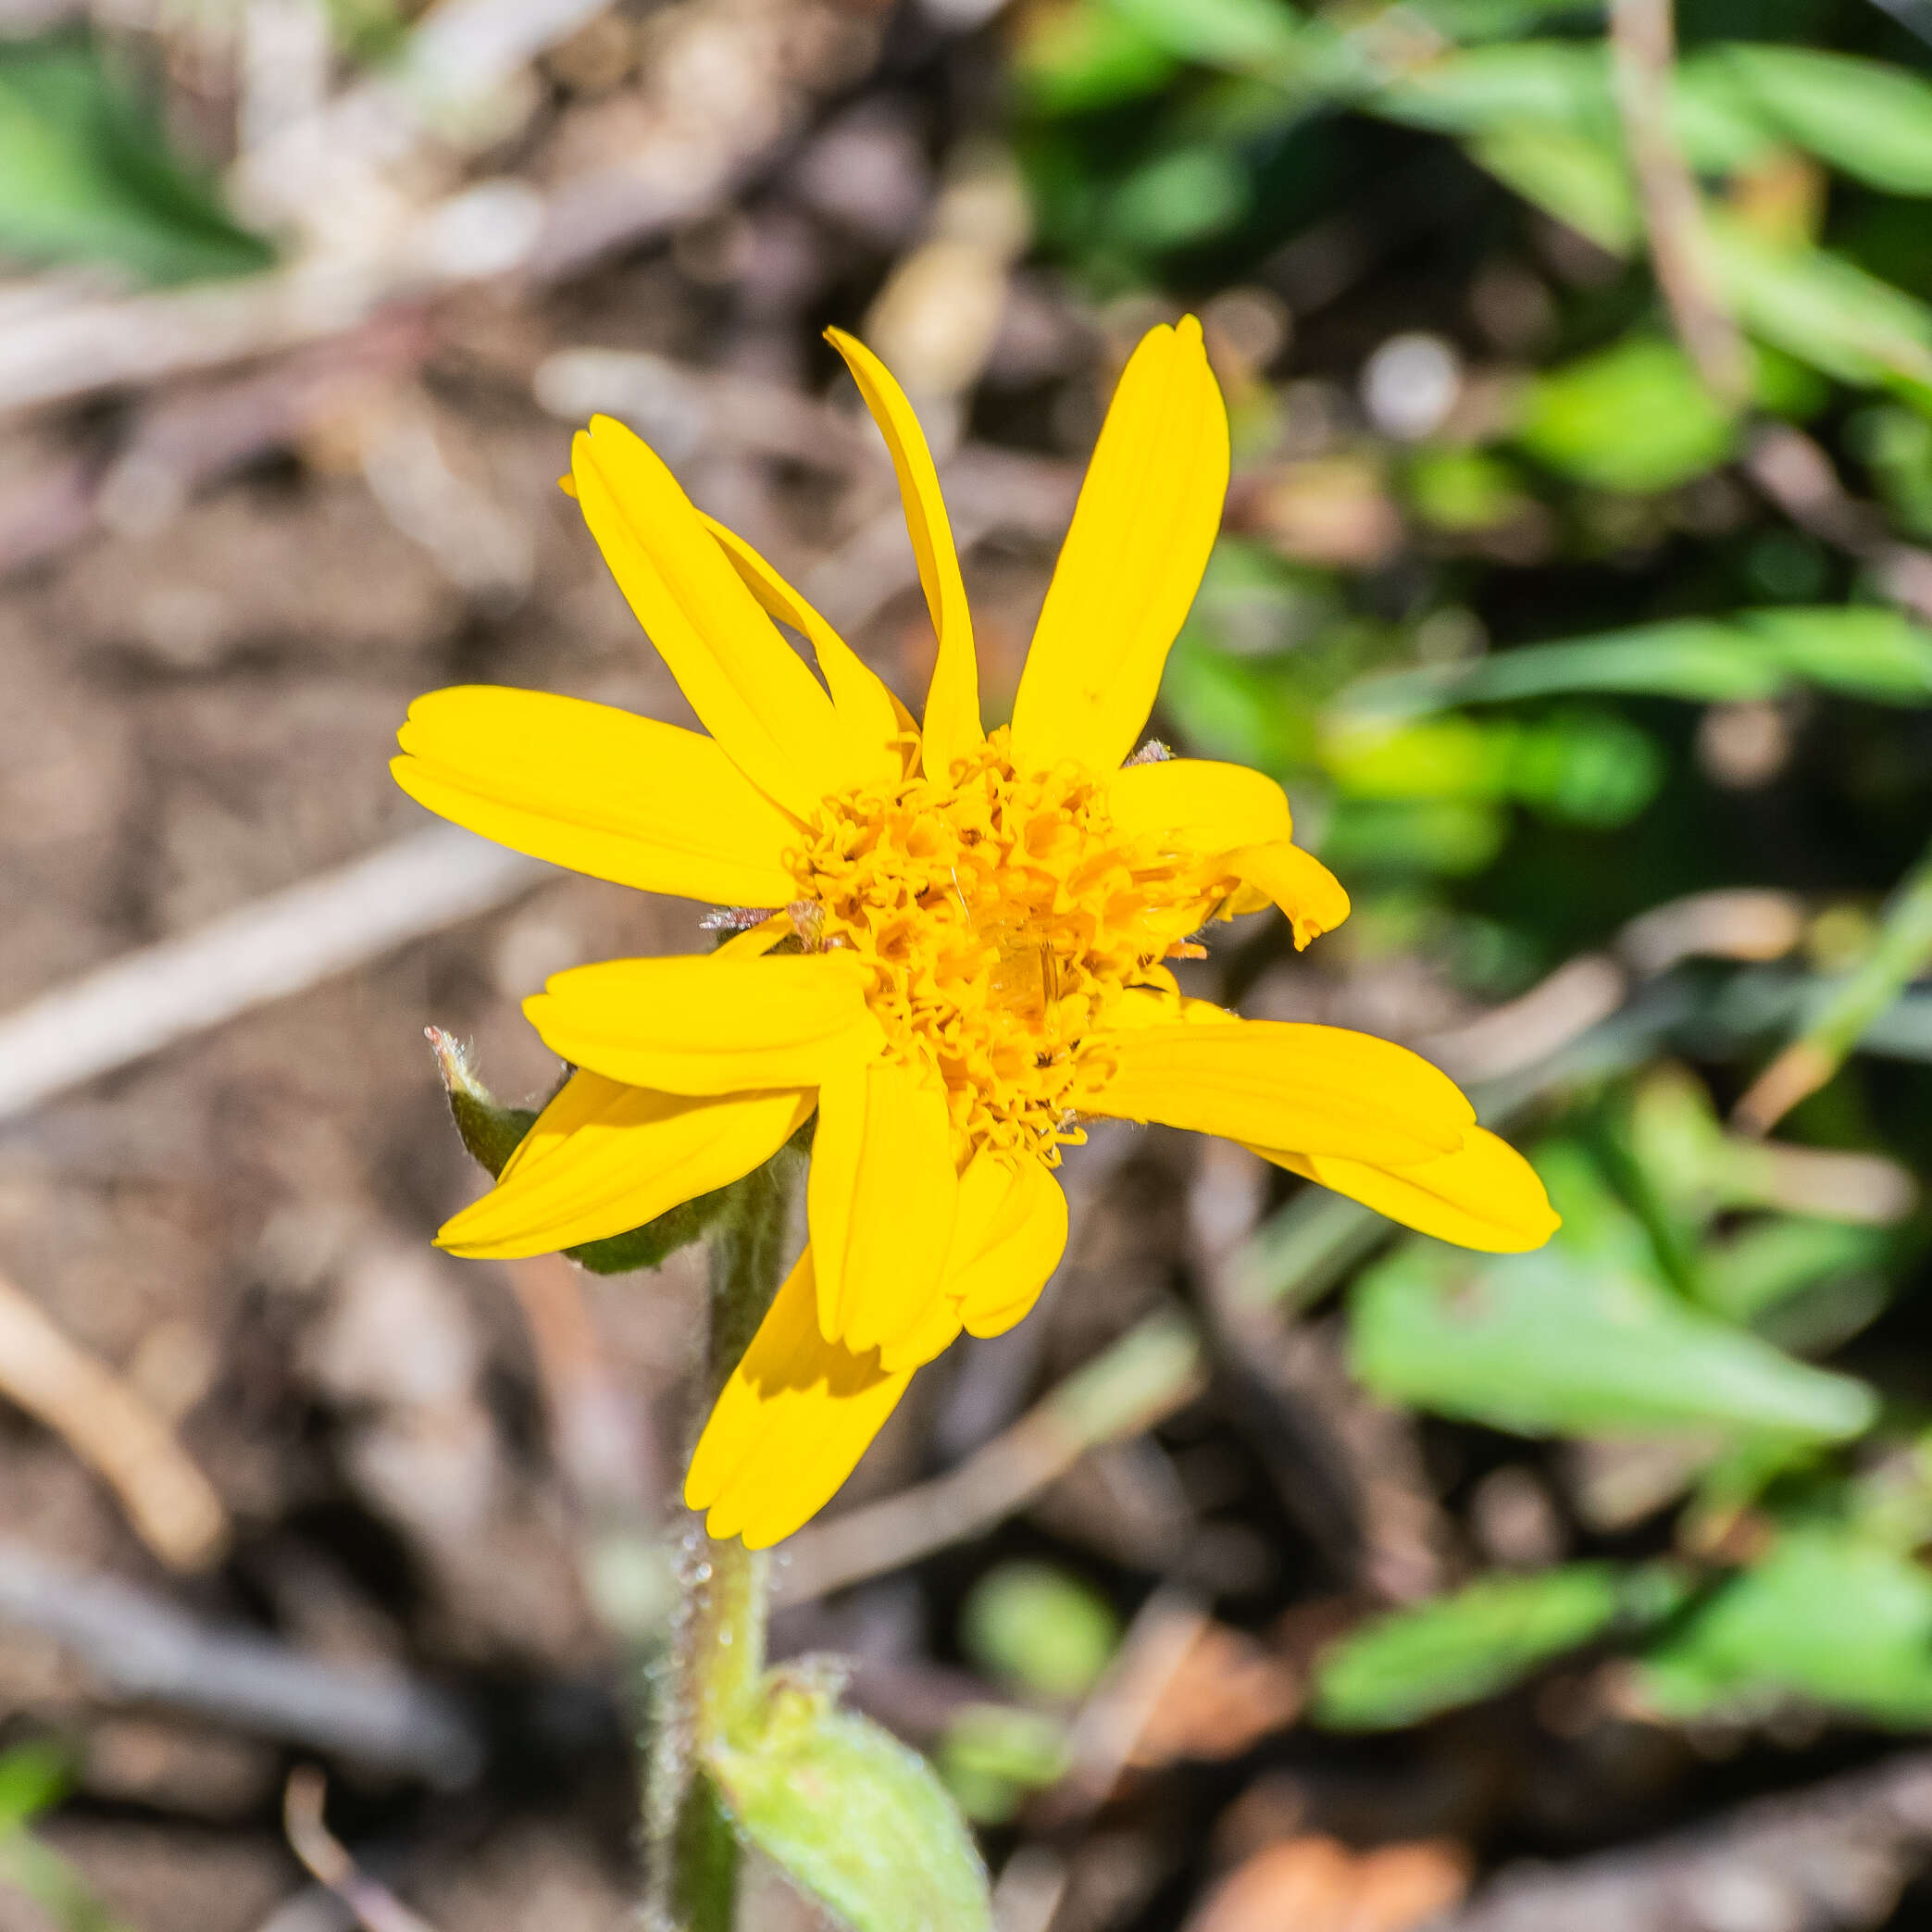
(1001, 915)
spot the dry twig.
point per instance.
(281, 944)
(1642, 42)
(1834, 1856)
(171, 1503)
(1148, 1373)
(147, 1651)
(327, 1860)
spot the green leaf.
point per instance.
(1579, 179)
(1230, 707)
(1470, 20)
(53, 1883)
(86, 174)
(1464, 489)
(1414, 1663)
(1772, 1259)
(1634, 418)
(852, 1815)
(1558, 83)
(1240, 34)
(1072, 59)
(1823, 309)
(1587, 768)
(1562, 86)
(1540, 117)
(491, 1132)
(1829, 1617)
(1581, 1337)
(34, 1779)
(1718, 124)
(1869, 121)
(1881, 655)
(1452, 837)
(652, 1244)
(1039, 1628)
(1183, 195)
(992, 1755)
(1862, 651)
(1698, 658)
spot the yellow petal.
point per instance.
(1273, 1083)
(750, 687)
(873, 719)
(605, 1158)
(951, 724)
(882, 1199)
(1197, 805)
(1009, 1235)
(1485, 1195)
(708, 1023)
(1142, 1006)
(1132, 561)
(928, 1337)
(790, 1425)
(1308, 893)
(599, 789)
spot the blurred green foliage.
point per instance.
(86, 174)
(34, 1778)
(993, 1756)
(1484, 1638)
(856, 1819)
(1039, 1629)
(1573, 640)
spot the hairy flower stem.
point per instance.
(718, 1647)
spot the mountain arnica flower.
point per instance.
(966, 950)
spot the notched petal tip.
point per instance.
(1311, 898)
(1485, 1195)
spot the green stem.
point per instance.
(717, 1650)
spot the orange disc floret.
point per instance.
(999, 914)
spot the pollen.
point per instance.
(1000, 915)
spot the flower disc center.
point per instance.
(1000, 915)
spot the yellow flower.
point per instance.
(977, 925)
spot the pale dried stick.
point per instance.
(377, 1909)
(171, 1505)
(1102, 1738)
(283, 944)
(1642, 42)
(147, 1650)
(1154, 1368)
(1902, 951)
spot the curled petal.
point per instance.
(1309, 895)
